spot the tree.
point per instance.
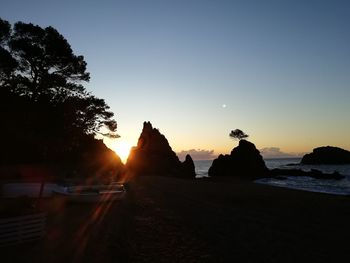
(39, 64)
(237, 134)
(46, 113)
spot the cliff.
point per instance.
(90, 160)
(154, 156)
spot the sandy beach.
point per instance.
(176, 220)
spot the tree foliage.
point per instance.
(44, 106)
(237, 134)
(39, 64)
(44, 63)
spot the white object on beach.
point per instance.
(91, 194)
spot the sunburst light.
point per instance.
(122, 148)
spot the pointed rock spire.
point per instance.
(154, 156)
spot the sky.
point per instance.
(197, 69)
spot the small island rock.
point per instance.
(244, 161)
(188, 168)
(327, 155)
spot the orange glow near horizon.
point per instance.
(122, 148)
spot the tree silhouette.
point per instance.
(237, 134)
(46, 113)
(39, 64)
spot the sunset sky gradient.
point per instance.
(278, 70)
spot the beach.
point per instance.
(165, 219)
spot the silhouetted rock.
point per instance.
(90, 159)
(279, 173)
(244, 161)
(327, 155)
(188, 168)
(154, 156)
(97, 161)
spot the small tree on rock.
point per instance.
(237, 134)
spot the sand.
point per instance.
(176, 220)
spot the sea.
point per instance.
(337, 187)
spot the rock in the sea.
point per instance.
(188, 168)
(154, 156)
(244, 161)
(327, 155)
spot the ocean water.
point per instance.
(338, 187)
(202, 167)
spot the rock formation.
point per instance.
(98, 161)
(188, 168)
(244, 161)
(90, 160)
(154, 156)
(327, 155)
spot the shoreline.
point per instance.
(300, 182)
(238, 220)
(166, 219)
(329, 191)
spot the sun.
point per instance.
(122, 148)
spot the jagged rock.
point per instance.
(154, 156)
(91, 160)
(98, 161)
(188, 168)
(244, 161)
(327, 155)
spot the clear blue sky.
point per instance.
(282, 68)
